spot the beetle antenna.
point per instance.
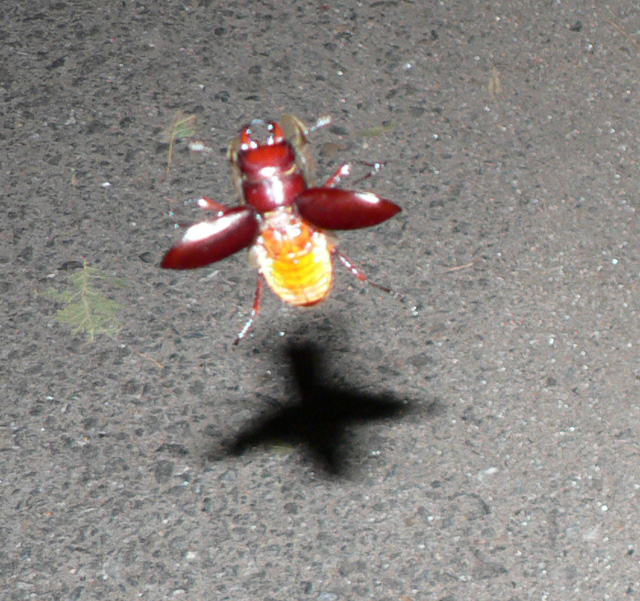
(320, 122)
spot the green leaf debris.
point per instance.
(86, 309)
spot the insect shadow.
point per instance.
(318, 417)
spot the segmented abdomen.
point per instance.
(294, 258)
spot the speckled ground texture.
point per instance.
(146, 464)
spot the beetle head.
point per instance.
(275, 135)
(272, 157)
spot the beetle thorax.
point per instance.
(270, 176)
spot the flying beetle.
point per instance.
(284, 218)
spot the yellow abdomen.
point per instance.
(294, 258)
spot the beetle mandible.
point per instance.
(283, 217)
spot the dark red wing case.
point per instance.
(336, 209)
(210, 241)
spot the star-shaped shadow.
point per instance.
(319, 417)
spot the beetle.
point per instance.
(283, 218)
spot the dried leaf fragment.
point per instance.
(494, 87)
(183, 126)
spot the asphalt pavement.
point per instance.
(476, 439)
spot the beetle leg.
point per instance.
(254, 311)
(375, 169)
(361, 275)
(206, 204)
(342, 172)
